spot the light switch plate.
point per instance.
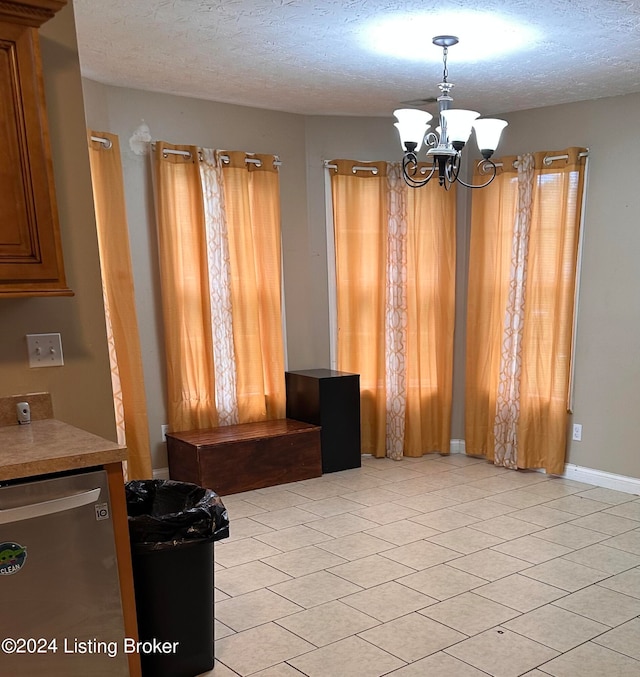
(45, 350)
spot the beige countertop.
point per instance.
(49, 446)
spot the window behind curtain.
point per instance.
(395, 281)
(248, 211)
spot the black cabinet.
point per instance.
(330, 399)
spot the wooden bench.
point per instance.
(235, 458)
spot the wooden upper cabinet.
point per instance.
(30, 249)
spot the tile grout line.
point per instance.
(462, 482)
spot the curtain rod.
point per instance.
(252, 160)
(172, 151)
(548, 159)
(373, 170)
(102, 140)
(354, 169)
(223, 158)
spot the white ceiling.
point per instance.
(309, 56)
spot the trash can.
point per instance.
(172, 527)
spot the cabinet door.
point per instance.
(30, 251)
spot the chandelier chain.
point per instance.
(445, 73)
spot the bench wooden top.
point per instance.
(242, 431)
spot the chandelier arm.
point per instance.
(482, 185)
(408, 176)
(454, 169)
(415, 183)
(430, 175)
(431, 139)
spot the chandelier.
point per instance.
(447, 141)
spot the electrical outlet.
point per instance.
(45, 350)
(164, 429)
(577, 432)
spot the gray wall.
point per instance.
(81, 389)
(607, 362)
(607, 383)
(210, 125)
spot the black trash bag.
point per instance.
(164, 514)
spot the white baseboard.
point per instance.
(600, 478)
(456, 447)
(161, 473)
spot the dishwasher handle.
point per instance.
(55, 505)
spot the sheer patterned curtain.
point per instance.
(396, 314)
(395, 270)
(522, 276)
(219, 245)
(120, 311)
(508, 398)
(219, 269)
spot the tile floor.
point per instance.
(432, 567)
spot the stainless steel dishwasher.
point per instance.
(61, 614)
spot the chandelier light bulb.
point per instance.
(488, 132)
(412, 125)
(459, 123)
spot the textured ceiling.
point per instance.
(309, 56)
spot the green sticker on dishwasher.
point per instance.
(12, 558)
